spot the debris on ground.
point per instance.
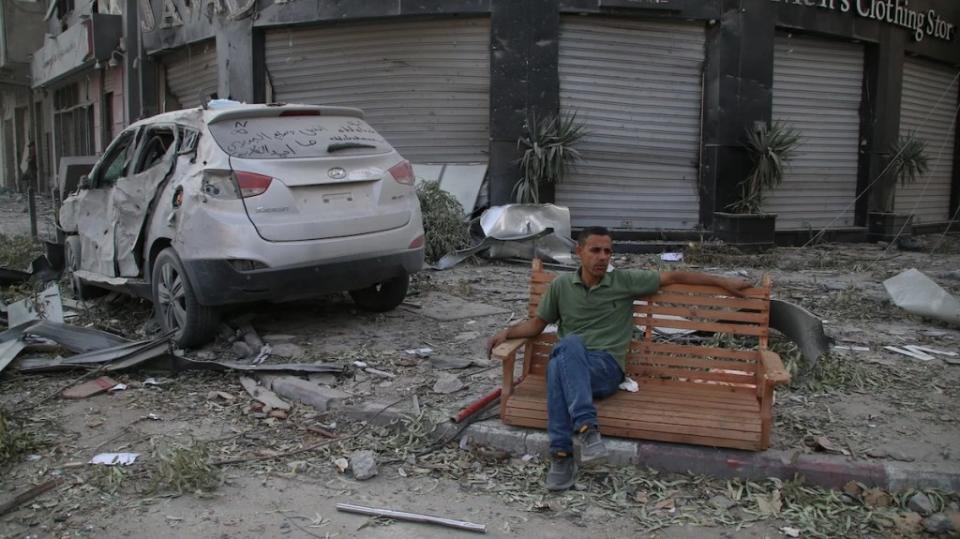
(89, 388)
(363, 464)
(411, 517)
(44, 305)
(307, 392)
(448, 383)
(263, 395)
(916, 293)
(920, 503)
(115, 459)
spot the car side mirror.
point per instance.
(84, 182)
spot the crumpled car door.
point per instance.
(88, 211)
(132, 198)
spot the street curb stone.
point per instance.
(832, 471)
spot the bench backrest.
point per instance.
(728, 360)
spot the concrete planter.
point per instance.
(752, 232)
(884, 226)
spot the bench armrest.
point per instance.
(772, 368)
(506, 353)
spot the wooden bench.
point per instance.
(715, 393)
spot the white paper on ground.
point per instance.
(113, 459)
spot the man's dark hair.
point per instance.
(592, 231)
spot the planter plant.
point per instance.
(770, 149)
(908, 163)
(548, 153)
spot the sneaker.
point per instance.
(563, 472)
(592, 448)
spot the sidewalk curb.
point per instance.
(832, 471)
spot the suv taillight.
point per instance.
(252, 184)
(402, 172)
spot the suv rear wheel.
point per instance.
(176, 305)
(384, 296)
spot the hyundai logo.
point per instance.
(337, 173)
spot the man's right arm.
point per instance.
(530, 327)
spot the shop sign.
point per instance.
(921, 23)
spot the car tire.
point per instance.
(176, 306)
(384, 296)
(71, 255)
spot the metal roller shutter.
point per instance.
(637, 87)
(928, 107)
(192, 73)
(424, 85)
(816, 90)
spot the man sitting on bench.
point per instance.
(594, 310)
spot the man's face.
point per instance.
(595, 255)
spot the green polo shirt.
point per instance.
(603, 315)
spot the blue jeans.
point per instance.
(576, 376)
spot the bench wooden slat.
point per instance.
(686, 299)
(713, 327)
(726, 402)
(657, 412)
(708, 290)
(665, 360)
(687, 350)
(643, 424)
(689, 374)
(697, 312)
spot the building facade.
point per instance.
(666, 89)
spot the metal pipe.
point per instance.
(412, 517)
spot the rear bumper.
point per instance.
(217, 282)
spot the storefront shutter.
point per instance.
(191, 73)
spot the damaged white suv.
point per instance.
(201, 208)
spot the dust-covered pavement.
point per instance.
(874, 405)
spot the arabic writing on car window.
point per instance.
(260, 139)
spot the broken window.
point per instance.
(115, 164)
(158, 141)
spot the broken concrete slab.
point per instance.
(297, 389)
(447, 384)
(445, 307)
(263, 394)
(800, 326)
(265, 368)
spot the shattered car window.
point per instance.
(188, 140)
(116, 163)
(158, 141)
(283, 137)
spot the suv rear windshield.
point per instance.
(282, 137)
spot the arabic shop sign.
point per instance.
(921, 23)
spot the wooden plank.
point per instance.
(759, 293)
(752, 356)
(760, 305)
(676, 412)
(710, 314)
(653, 360)
(692, 387)
(727, 401)
(714, 327)
(648, 435)
(640, 424)
(691, 374)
